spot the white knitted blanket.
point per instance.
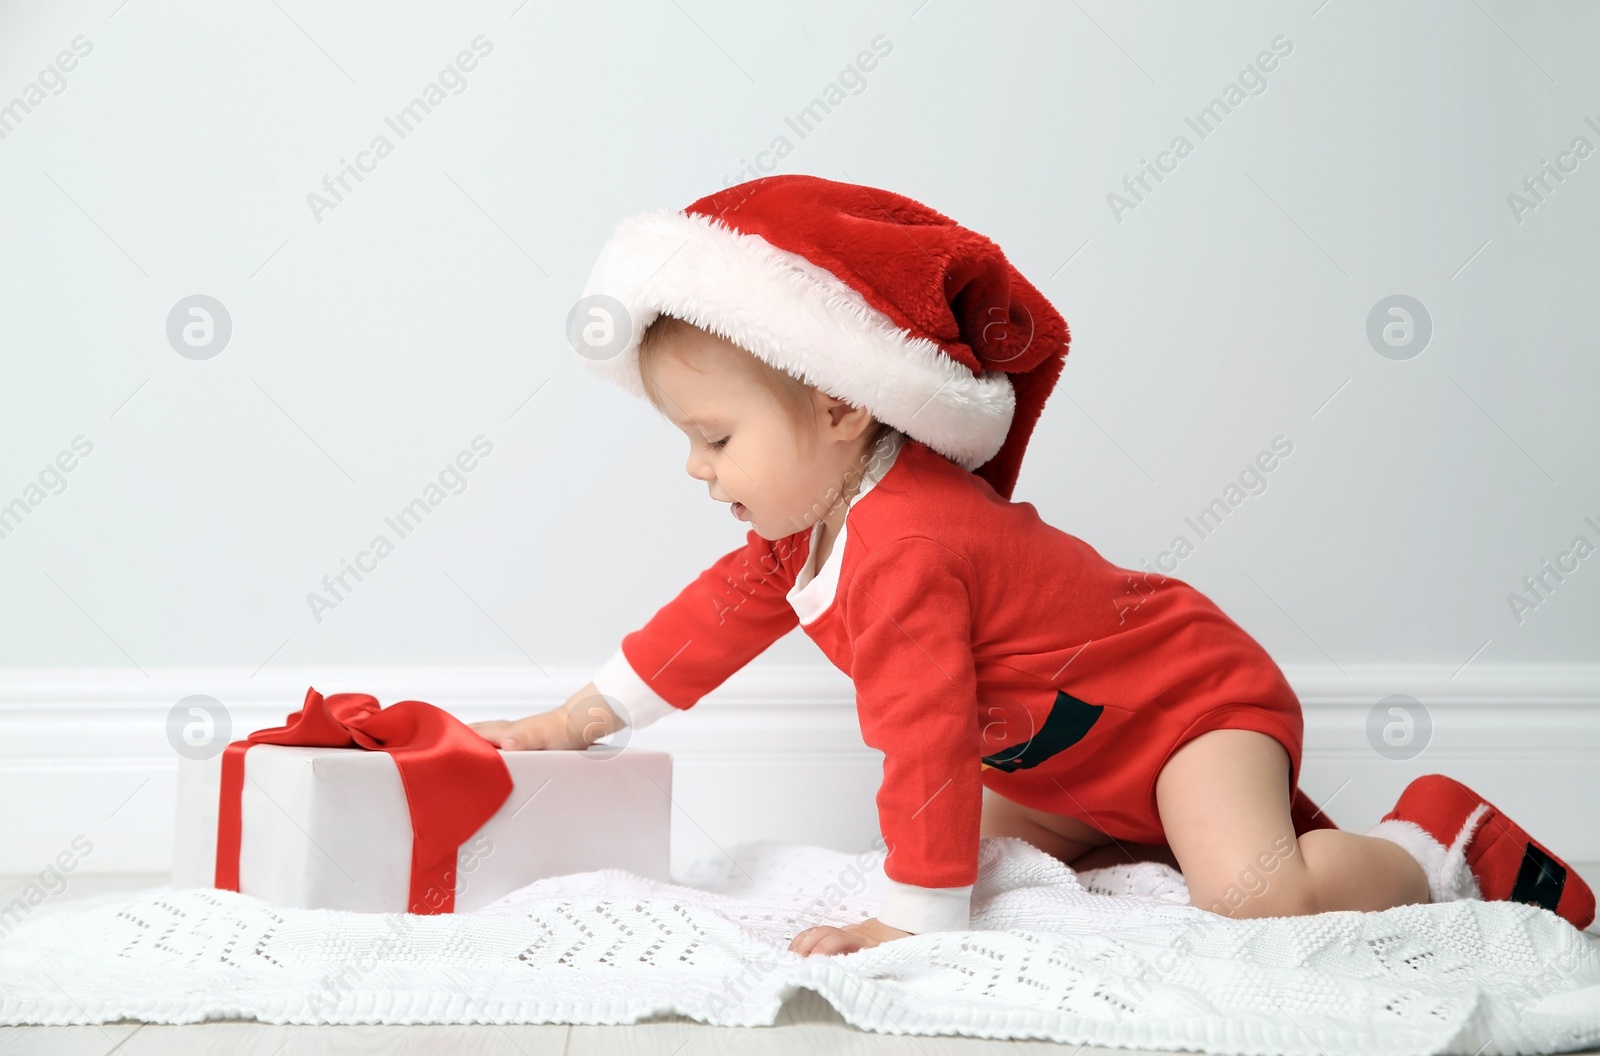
(1111, 957)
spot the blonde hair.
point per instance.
(793, 395)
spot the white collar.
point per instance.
(814, 588)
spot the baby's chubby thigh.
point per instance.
(1224, 804)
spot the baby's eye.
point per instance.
(720, 444)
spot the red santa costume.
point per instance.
(987, 648)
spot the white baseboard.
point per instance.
(775, 753)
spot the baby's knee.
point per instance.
(1273, 885)
(1279, 900)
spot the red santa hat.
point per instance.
(866, 294)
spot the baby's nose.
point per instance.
(699, 468)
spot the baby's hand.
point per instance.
(547, 730)
(582, 720)
(848, 939)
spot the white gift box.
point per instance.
(328, 828)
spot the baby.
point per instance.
(857, 377)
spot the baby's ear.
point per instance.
(850, 421)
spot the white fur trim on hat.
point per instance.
(799, 318)
(1449, 877)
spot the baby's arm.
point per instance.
(576, 724)
(729, 614)
(909, 619)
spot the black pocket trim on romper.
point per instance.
(1068, 723)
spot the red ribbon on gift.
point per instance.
(454, 781)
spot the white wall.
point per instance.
(371, 343)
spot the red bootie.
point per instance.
(1469, 849)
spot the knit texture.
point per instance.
(1110, 957)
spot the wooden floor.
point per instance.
(807, 1024)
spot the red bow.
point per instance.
(454, 781)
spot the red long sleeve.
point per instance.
(917, 698)
(728, 615)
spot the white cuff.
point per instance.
(641, 705)
(1449, 876)
(919, 909)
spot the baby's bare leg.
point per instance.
(1362, 872)
(1061, 837)
(1224, 803)
(1072, 841)
(1125, 853)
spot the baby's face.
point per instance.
(741, 441)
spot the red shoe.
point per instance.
(1469, 849)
